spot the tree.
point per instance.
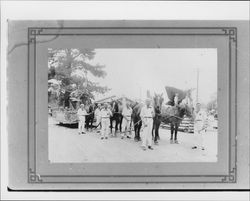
(212, 104)
(71, 66)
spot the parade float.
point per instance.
(70, 82)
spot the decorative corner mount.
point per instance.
(231, 32)
(32, 33)
(231, 178)
(34, 177)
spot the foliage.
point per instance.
(71, 67)
(212, 104)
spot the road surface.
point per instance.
(67, 146)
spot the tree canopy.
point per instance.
(212, 104)
(71, 67)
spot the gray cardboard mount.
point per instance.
(29, 167)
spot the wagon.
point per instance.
(187, 125)
(67, 115)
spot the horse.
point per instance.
(157, 102)
(136, 110)
(116, 116)
(90, 117)
(174, 116)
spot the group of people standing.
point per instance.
(103, 113)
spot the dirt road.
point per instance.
(66, 145)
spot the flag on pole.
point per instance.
(172, 91)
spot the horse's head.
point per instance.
(114, 106)
(158, 100)
(136, 108)
(120, 106)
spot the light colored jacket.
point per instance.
(147, 114)
(105, 113)
(81, 112)
(127, 112)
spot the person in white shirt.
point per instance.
(147, 114)
(126, 121)
(81, 113)
(176, 99)
(98, 117)
(200, 124)
(105, 120)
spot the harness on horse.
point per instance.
(172, 112)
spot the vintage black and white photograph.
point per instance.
(132, 105)
(124, 100)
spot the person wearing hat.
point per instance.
(126, 114)
(81, 113)
(147, 114)
(200, 124)
(105, 120)
(176, 99)
(98, 117)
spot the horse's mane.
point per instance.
(171, 110)
(116, 107)
(182, 111)
(136, 107)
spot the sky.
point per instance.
(131, 72)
